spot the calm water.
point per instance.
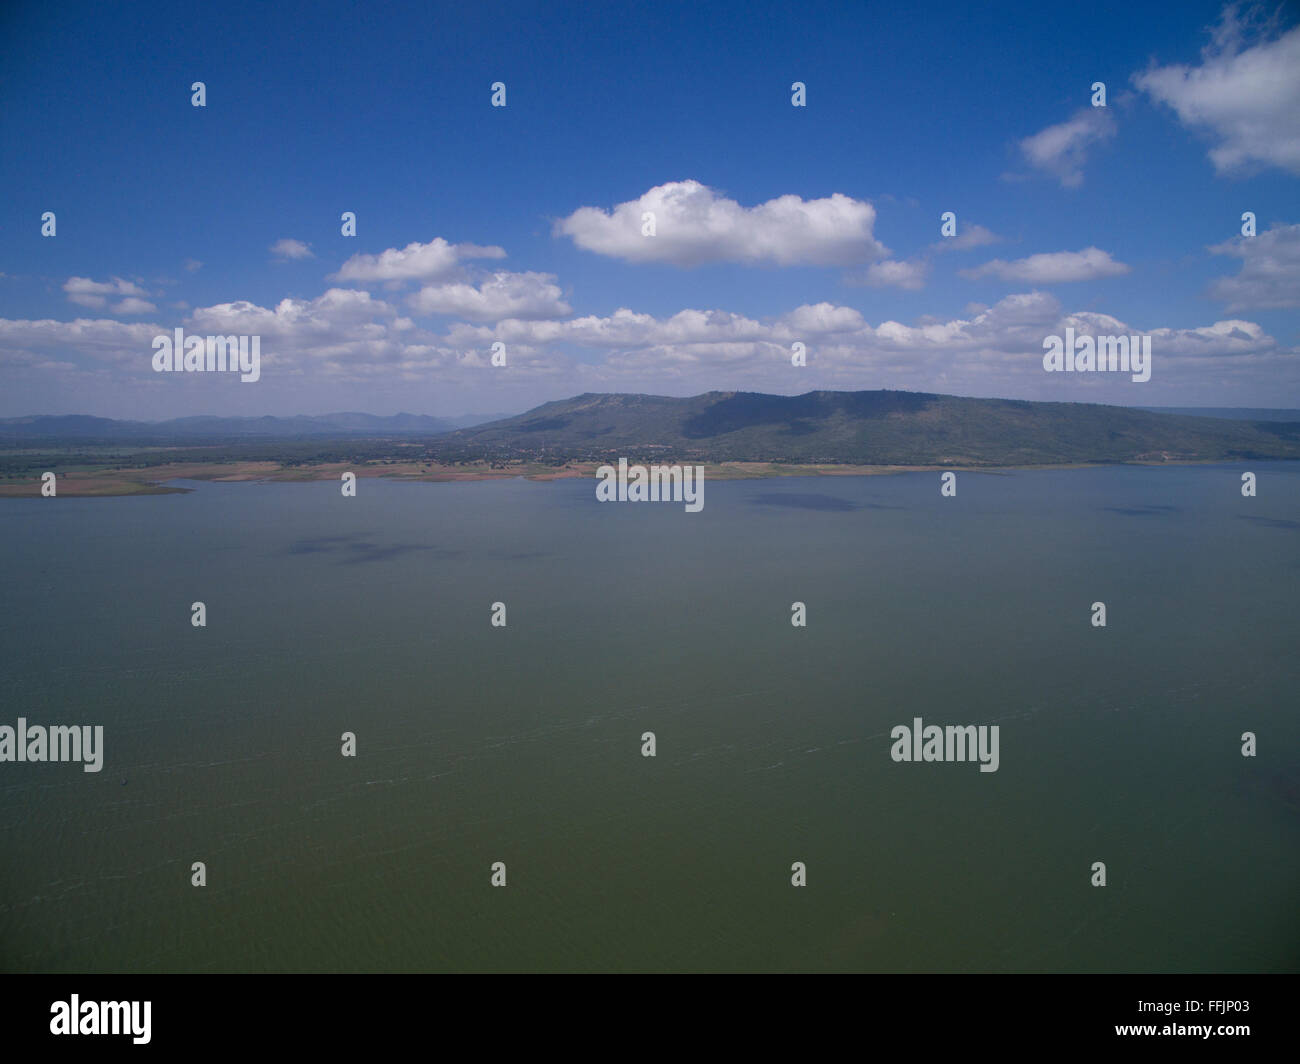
(479, 744)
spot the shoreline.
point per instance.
(120, 483)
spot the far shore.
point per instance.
(156, 480)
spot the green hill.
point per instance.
(867, 428)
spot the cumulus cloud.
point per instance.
(990, 350)
(909, 275)
(87, 293)
(1270, 270)
(301, 319)
(702, 329)
(346, 334)
(993, 351)
(291, 249)
(695, 225)
(99, 339)
(1061, 150)
(823, 319)
(1056, 267)
(1245, 99)
(132, 305)
(968, 236)
(624, 328)
(503, 295)
(349, 336)
(436, 260)
(341, 335)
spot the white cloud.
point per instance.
(823, 319)
(992, 351)
(338, 309)
(1056, 267)
(968, 236)
(503, 295)
(695, 225)
(192, 265)
(341, 335)
(1019, 318)
(1270, 270)
(347, 336)
(100, 339)
(1015, 325)
(291, 249)
(1246, 99)
(433, 261)
(909, 276)
(1062, 149)
(623, 328)
(132, 305)
(87, 293)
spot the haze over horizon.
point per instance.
(776, 224)
(453, 416)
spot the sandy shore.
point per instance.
(153, 480)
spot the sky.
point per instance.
(525, 224)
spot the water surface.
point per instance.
(479, 744)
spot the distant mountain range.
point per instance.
(858, 428)
(83, 427)
(868, 428)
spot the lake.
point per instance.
(522, 744)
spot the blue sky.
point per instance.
(774, 223)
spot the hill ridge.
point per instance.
(865, 427)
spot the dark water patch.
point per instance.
(1143, 511)
(357, 550)
(320, 544)
(1270, 522)
(806, 501)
